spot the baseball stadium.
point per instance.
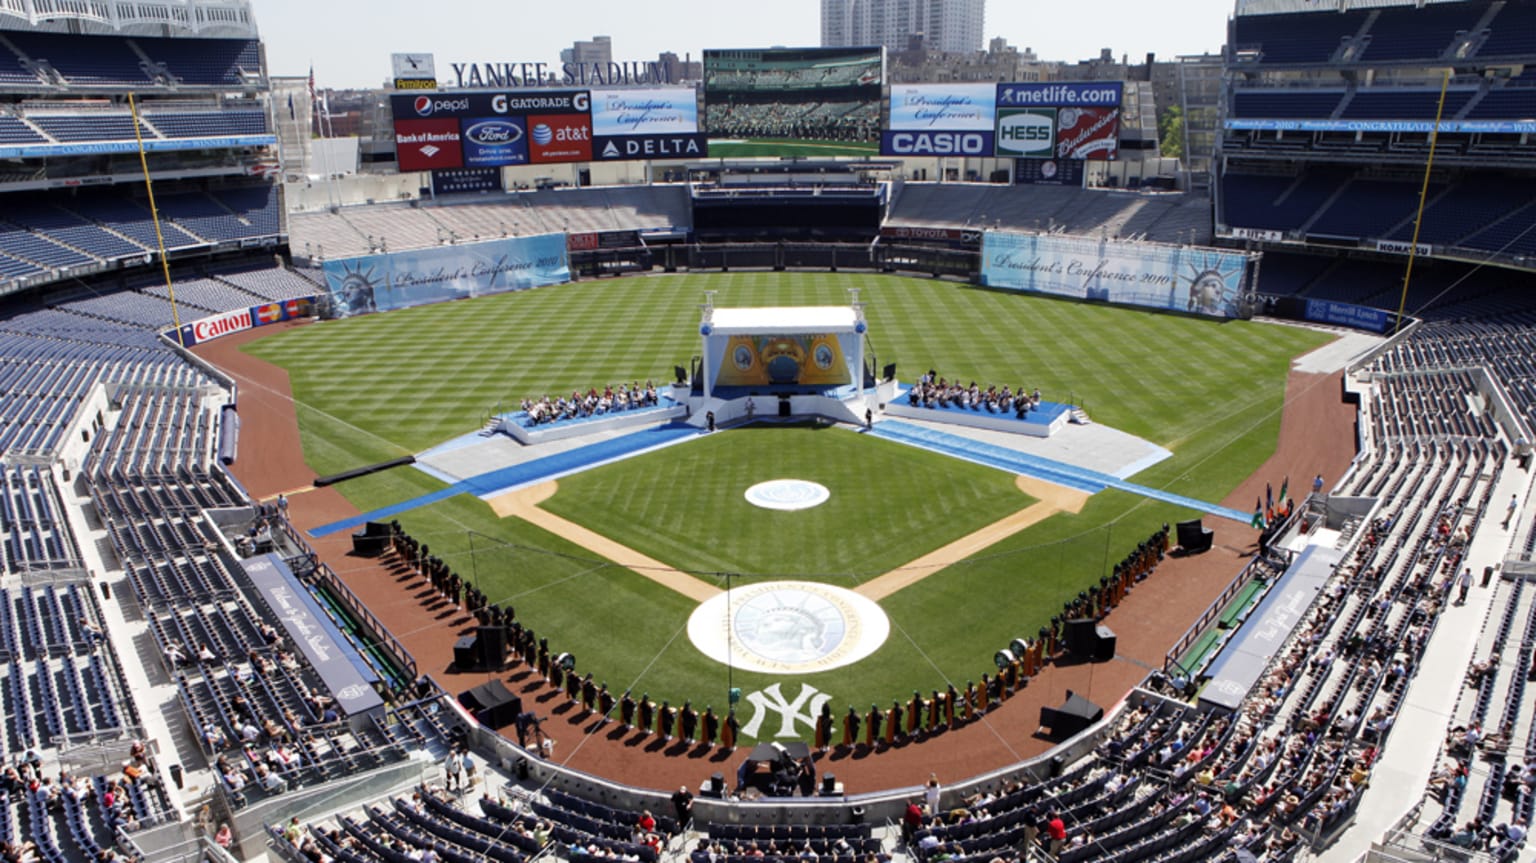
(785, 461)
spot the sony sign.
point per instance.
(936, 143)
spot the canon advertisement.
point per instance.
(1057, 122)
(444, 131)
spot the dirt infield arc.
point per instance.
(1316, 437)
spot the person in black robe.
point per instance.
(728, 733)
(710, 724)
(688, 722)
(851, 724)
(664, 723)
(605, 701)
(647, 713)
(588, 693)
(627, 709)
(872, 722)
(824, 728)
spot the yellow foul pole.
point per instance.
(154, 214)
(1418, 220)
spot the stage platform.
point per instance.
(1043, 420)
(516, 425)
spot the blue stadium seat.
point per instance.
(1305, 37)
(1395, 104)
(209, 124)
(84, 60)
(103, 127)
(205, 62)
(14, 131)
(1286, 104)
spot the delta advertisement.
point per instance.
(940, 120)
(382, 283)
(808, 360)
(450, 130)
(1058, 121)
(661, 123)
(1174, 278)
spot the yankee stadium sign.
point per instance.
(505, 74)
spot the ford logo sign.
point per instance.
(494, 132)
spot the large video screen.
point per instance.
(793, 101)
(763, 360)
(484, 129)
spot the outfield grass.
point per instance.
(756, 147)
(385, 385)
(880, 515)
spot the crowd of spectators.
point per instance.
(932, 391)
(800, 119)
(593, 402)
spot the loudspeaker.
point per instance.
(828, 783)
(1079, 636)
(492, 646)
(1103, 644)
(465, 656)
(1194, 537)
(715, 787)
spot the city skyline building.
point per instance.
(941, 25)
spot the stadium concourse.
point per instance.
(1315, 438)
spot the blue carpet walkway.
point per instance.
(527, 473)
(1060, 473)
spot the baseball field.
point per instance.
(378, 387)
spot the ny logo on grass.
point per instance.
(771, 700)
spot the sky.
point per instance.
(349, 41)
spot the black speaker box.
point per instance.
(465, 656)
(1103, 644)
(492, 646)
(1079, 636)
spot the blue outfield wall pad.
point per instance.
(1050, 470)
(527, 473)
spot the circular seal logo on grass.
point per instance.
(788, 494)
(788, 627)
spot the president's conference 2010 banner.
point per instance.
(1177, 278)
(382, 283)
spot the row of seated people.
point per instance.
(593, 402)
(932, 391)
(123, 797)
(838, 850)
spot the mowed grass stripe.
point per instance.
(1210, 391)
